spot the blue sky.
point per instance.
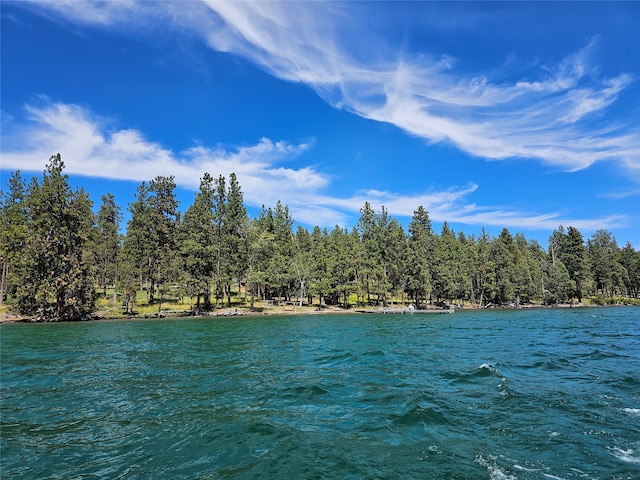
(489, 115)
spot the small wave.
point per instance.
(337, 357)
(488, 370)
(305, 391)
(628, 455)
(602, 355)
(495, 472)
(632, 411)
(525, 469)
(374, 353)
(420, 416)
(548, 475)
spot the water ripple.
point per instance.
(488, 395)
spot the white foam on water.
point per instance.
(488, 366)
(525, 469)
(548, 475)
(629, 455)
(632, 411)
(495, 472)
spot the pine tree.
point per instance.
(573, 254)
(236, 234)
(630, 260)
(136, 251)
(280, 273)
(196, 242)
(420, 255)
(371, 265)
(107, 242)
(503, 252)
(150, 242)
(260, 245)
(603, 253)
(57, 285)
(165, 220)
(13, 235)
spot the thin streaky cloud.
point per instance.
(551, 113)
(540, 119)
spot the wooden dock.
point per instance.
(404, 311)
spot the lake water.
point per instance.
(518, 394)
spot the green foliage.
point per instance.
(107, 242)
(420, 256)
(196, 243)
(14, 230)
(52, 254)
(608, 274)
(57, 285)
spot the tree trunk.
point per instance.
(3, 277)
(302, 281)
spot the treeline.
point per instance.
(57, 254)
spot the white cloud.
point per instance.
(89, 147)
(543, 119)
(548, 114)
(552, 114)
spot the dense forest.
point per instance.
(58, 255)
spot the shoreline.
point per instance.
(10, 317)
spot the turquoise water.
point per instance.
(520, 394)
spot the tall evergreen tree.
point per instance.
(13, 235)
(260, 245)
(196, 242)
(539, 259)
(503, 255)
(393, 248)
(107, 242)
(445, 265)
(221, 274)
(149, 245)
(57, 285)
(136, 251)
(420, 255)
(236, 231)
(570, 249)
(371, 271)
(486, 274)
(524, 279)
(319, 282)
(341, 266)
(603, 254)
(165, 218)
(302, 268)
(279, 272)
(357, 261)
(630, 260)
(466, 267)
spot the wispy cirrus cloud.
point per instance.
(548, 118)
(551, 113)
